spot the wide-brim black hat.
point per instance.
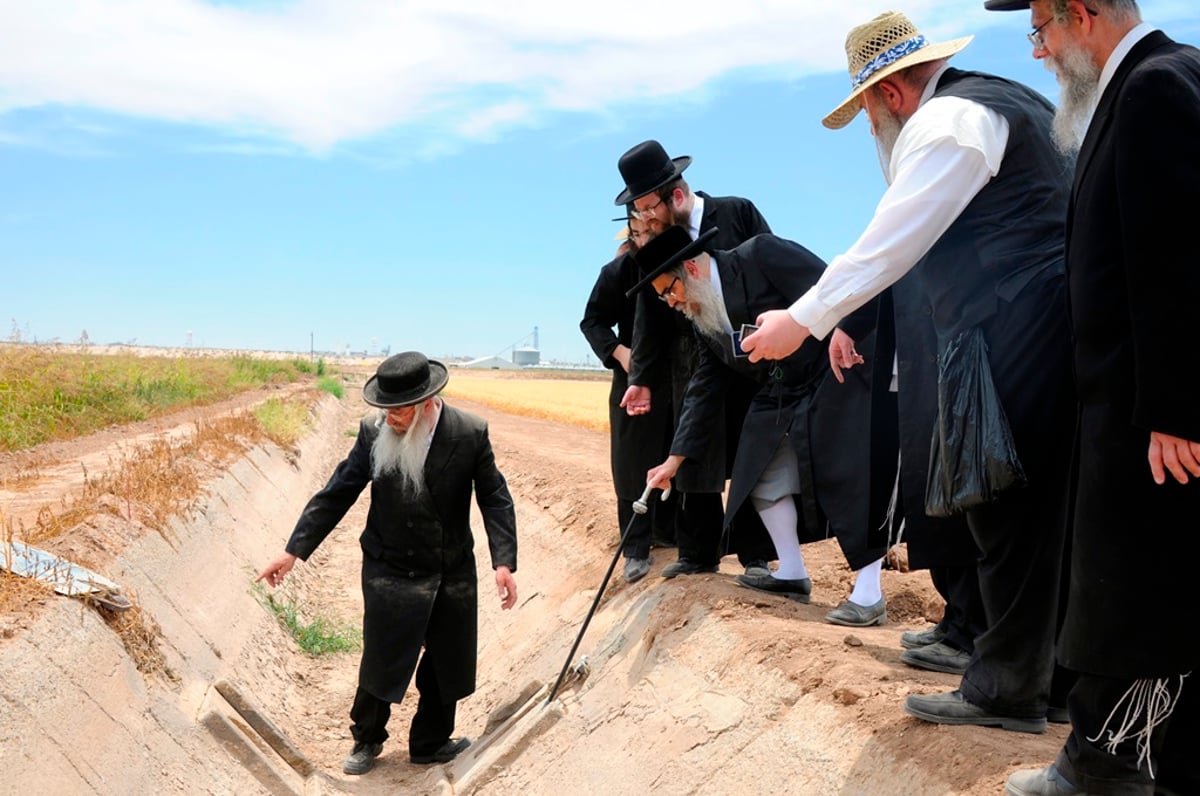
(664, 251)
(1005, 5)
(647, 167)
(405, 379)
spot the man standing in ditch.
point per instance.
(422, 458)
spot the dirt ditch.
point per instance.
(691, 686)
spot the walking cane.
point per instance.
(639, 507)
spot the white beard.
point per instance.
(1079, 82)
(402, 455)
(705, 309)
(887, 131)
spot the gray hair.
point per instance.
(1121, 11)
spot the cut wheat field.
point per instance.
(580, 399)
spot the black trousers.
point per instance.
(699, 531)
(432, 724)
(1091, 767)
(964, 617)
(1021, 536)
(637, 541)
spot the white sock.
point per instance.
(867, 589)
(780, 519)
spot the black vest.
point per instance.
(1012, 233)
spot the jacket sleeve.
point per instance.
(326, 508)
(653, 330)
(703, 404)
(495, 505)
(601, 313)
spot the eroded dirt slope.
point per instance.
(694, 685)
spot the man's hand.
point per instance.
(506, 587)
(273, 573)
(660, 477)
(778, 336)
(621, 354)
(636, 400)
(1174, 454)
(842, 354)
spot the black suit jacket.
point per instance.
(419, 556)
(664, 351)
(1133, 270)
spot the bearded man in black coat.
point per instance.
(664, 352)
(1130, 105)
(422, 458)
(804, 455)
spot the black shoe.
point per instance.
(361, 758)
(911, 639)
(636, 569)
(444, 754)
(852, 614)
(1057, 714)
(953, 708)
(799, 589)
(940, 657)
(685, 567)
(758, 568)
(662, 541)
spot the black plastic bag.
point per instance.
(972, 457)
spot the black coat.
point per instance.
(664, 350)
(639, 442)
(419, 578)
(1134, 286)
(826, 423)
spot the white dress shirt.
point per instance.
(947, 151)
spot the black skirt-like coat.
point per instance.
(798, 403)
(419, 578)
(639, 442)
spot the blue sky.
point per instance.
(418, 175)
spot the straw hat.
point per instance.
(879, 48)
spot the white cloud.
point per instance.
(318, 72)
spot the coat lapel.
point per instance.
(1098, 127)
(441, 448)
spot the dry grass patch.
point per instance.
(581, 400)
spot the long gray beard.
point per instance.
(705, 309)
(402, 455)
(887, 130)
(1079, 82)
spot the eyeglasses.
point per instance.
(644, 212)
(666, 294)
(1035, 36)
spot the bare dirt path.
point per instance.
(695, 685)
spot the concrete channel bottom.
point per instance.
(257, 743)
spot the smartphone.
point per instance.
(746, 330)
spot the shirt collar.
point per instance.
(696, 215)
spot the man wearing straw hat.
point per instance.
(970, 233)
(1130, 107)
(422, 458)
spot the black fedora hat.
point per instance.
(666, 250)
(405, 379)
(1005, 5)
(646, 167)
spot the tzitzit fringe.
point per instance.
(890, 519)
(1150, 697)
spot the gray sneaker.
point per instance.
(362, 758)
(636, 569)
